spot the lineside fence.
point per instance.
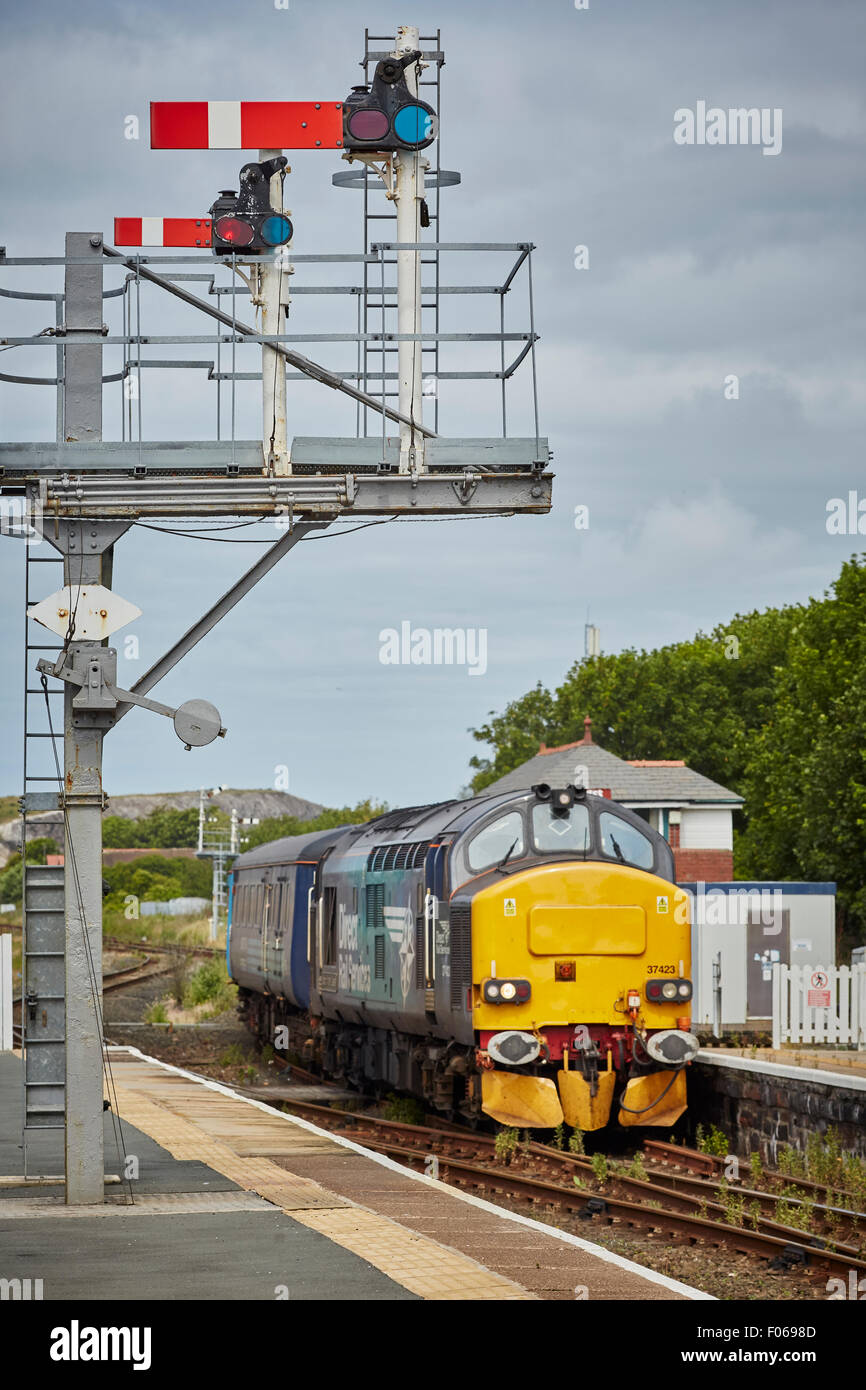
(819, 1004)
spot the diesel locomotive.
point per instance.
(524, 956)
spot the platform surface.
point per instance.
(236, 1200)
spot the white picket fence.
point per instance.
(6, 992)
(819, 1004)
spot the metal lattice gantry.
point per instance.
(82, 489)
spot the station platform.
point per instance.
(799, 1057)
(237, 1200)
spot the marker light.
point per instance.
(371, 124)
(413, 125)
(506, 991)
(234, 230)
(666, 991)
(276, 231)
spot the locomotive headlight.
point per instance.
(506, 991)
(685, 990)
(669, 990)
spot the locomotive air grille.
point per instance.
(379, 958)
(420, 980)
(461, 954)
(375, 906)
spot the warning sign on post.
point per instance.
(818, 996)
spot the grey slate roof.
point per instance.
(654, 785)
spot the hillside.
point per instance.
(260, 804)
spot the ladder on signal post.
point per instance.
(43, 974)
(374, 306)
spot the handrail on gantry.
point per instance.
(309, 368)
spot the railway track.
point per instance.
(469, 1159)
(115, 979)
(675, 1157)
(114, 943)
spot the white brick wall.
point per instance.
(709, 828)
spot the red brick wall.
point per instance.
(709, 865)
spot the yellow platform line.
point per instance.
(428, 1269)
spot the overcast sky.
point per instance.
(704, 262)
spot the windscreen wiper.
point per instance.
(512, 847)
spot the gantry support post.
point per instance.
(409, 168)
(86, 560)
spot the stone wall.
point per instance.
(762, 1111)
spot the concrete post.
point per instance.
(84, 558)
(274, 294)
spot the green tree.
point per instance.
(771, 704)
(806, 780)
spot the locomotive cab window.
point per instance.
(554, 832)
(624, 842)
(329, 927)
(500, 838)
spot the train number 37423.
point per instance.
(661, 970)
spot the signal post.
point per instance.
(92, 490)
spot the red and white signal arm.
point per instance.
(246, 125)
(162, 231)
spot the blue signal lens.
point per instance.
(276, 231)
(413, 125)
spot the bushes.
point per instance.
(153, 878)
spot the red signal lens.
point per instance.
(369, 124)
(234, 230)
(523, 989)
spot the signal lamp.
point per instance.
(508, 990)
(246, 220)
(368, 124)
(386, 116)
(233, 230)
(413, 124)
(276, 230)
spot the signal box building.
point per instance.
(745, 928)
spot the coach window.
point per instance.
(503, 837)
(554, 832)
(624, 842)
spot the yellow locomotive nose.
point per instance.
(589, 942)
